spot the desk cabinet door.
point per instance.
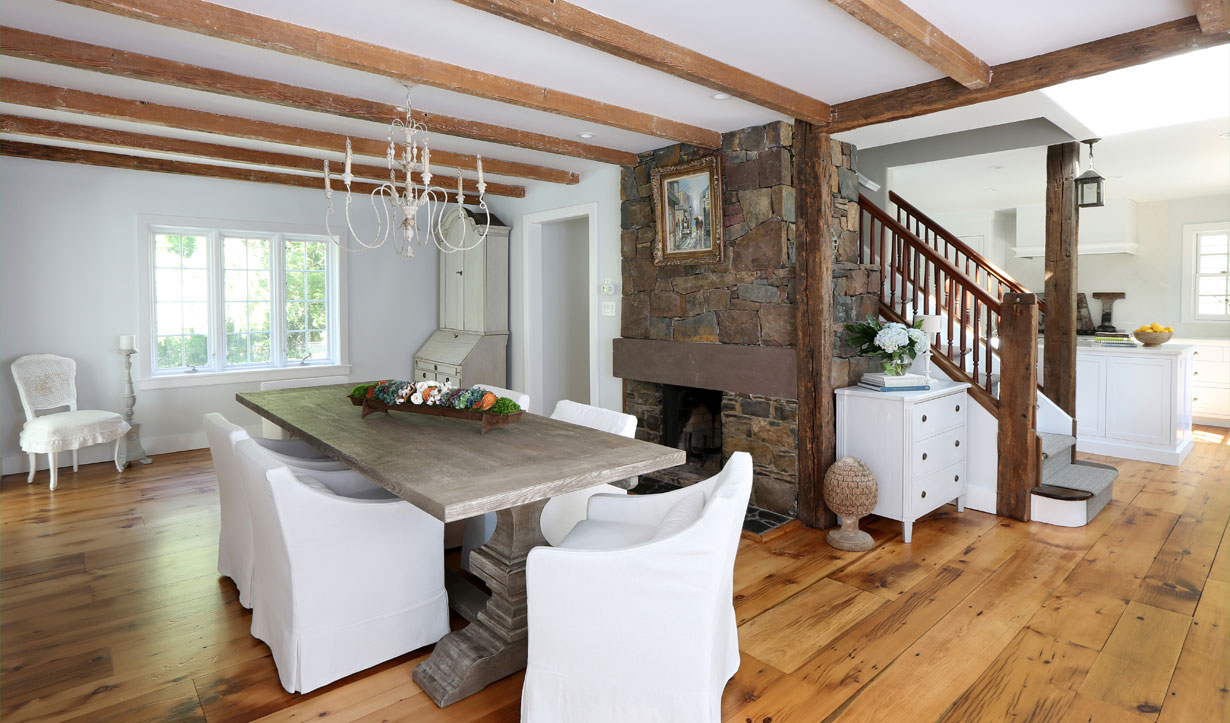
(1139, 398)
(1090, 396)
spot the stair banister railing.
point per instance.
(973, 264)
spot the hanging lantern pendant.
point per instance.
(1090, 184)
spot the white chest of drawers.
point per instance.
(914, 443)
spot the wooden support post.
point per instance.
(814, 306)
(1059, 355)
(1018, 397)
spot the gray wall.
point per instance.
(565, 311)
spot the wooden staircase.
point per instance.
(991, 323)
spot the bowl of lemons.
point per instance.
(1153, 334)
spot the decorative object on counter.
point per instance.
(1084, 319)
(881, 382)
(687, 202)
(437, 399)
(850, 491)
(132, 451)
(414, 193)
(1113, 338)
(894, 344)
(1108, 299)
(1153, 334)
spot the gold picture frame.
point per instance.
(687, 206)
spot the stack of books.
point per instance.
(1114, 338)
(888, 383)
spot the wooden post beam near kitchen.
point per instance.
(899, 23)
(1214, 15)
(19, 149)
(1021, 76)
(73, 54)
(36, 95)
(1059, 348)
(1019, 455)
(579, 25)
(814, 307)
(258, 31)
(38, 128)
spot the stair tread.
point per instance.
(1052, 444)
(1081, 476)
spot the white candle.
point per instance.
(128, 342)
(349, 156)
(459, 196)
(480, 170)
(426, 160)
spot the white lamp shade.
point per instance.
(127, 342)
(932, 324)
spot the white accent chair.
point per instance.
(271, 431)
(235, 523)
(477, 530)
(47, 381)
(564, 511)
(657, 571)
(344, 583)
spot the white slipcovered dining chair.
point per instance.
(271, 431)
(47, 381)
(564, 511)
(657, 571)
(344, 583)
(235, 525)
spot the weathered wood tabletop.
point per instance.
(444, 466)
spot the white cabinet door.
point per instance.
(475, 285)
(1090, 396)
(1141, 407)
(452, 291)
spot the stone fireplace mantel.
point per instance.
(759, 370)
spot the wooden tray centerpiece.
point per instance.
(437, 400)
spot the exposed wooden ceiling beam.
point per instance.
(262, 32)
(70, 53)
(40, 128)
(37, 151)
(36, 95)
(624, 41)
(1214, 15)
(1021, 76)
(899, 23)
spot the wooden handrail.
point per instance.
(929, 253)
(983, 262)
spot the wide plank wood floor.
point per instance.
(111, 609)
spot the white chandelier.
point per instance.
(410, 197)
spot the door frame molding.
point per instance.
(531, 264)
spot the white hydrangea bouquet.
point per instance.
(894, 344)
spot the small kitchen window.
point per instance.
(1207, 284)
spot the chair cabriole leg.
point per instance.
(74, 460)
(33, 466)
(51, 465)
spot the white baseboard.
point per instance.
(1218, 421)
(1064, 513)
(165, 444)
(981, 498)
(1141, 452)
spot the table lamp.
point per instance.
(932, 326)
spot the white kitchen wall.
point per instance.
(599, 186)
(68, 285)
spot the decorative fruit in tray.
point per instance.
(395, 393)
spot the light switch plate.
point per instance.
(608, 308)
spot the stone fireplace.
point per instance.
(707, 351)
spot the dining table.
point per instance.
(448, 468)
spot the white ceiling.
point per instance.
(808, 45)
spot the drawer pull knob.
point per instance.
(924, 417)
(924, 493)
(958, 408)
(957, 443)
(956, 478)
(924, 455)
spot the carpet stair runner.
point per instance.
(1063, 479)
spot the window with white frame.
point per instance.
(1210, 267)
(226, 300)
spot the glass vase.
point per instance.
(894, 368)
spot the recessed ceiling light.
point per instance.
(720, 96)
(586, 135)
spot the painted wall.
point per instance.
(68, 285)
(600, 186)
(565, 311)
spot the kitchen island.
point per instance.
(1134, 403)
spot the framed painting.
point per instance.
(687, 203)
